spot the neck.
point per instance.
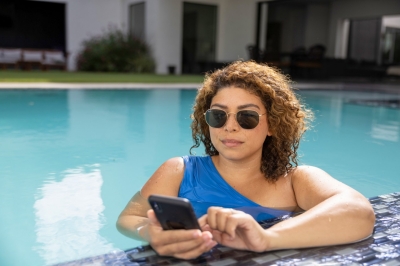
(238, 169)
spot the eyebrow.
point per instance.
(244, 106)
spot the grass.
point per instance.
(93, 77)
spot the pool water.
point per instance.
(71, 159)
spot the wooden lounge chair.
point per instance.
(30, 58)
(10, 57)
(54, 59)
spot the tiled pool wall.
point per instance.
(382, 248)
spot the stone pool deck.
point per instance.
(388, 87)
(382, 248)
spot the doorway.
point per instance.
(199, 37)
(32, 24)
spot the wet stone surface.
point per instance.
(383, 248)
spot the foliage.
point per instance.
(115, 51)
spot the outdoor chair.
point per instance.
(31, 58)
(10, 57)
(54, 59)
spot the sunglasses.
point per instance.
(247, 119)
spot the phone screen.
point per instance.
(173, 212)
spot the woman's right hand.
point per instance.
(182, 244)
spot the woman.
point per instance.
(250, 123)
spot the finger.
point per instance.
(222, 217)
(203, 220)
(168, 237)
(152, 217)
(206, 228)
(231, 224)
(188, 249)
(194, 253)
(217, 235)
(212, 216)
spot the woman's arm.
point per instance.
(138, 221)
(334, 213)
(133, 220)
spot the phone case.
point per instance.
(173, 212)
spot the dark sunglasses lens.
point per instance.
(247, 119)
(215, 118)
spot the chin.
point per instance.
(233, 155)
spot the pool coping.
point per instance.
(382, 87)
(381, 248)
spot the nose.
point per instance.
(231, 123)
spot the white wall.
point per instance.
(236, 24)
(237, 29)
(87, 19)
(164, 33)
(391, 21)
(164, 20)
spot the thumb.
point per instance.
(152, 217)
(203, 220)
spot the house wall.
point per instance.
(391, 21)
(302, 26)
(236, 24)
(164, 23)
(237, 29)
(85, 19)
(354, 9)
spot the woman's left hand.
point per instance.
(234, 229)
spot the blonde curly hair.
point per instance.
(288, 119)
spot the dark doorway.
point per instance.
(32, 24)
(199, 37)
(364, 40)
(137, 20)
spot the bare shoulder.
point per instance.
(306, 174)
(313, 185)
(166, 179)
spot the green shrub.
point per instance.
(115, 51)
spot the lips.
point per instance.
(231, 142)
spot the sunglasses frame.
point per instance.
(227, 117)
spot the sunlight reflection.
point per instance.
(69, 215)
(389, 132)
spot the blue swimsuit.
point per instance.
(204, 187)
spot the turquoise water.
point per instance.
(71, 159)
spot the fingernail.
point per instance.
(212, 244)
(196, 234)
(206, 237)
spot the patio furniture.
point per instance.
(393, 71)
(54, 59)
(26, 59)
(31, 57)
(10, 57)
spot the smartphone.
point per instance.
(173, 212)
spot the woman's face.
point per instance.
(231, 140)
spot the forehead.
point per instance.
(235, 96)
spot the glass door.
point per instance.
(199, 37)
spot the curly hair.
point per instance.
(288, 118)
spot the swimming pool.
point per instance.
(71, 159)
